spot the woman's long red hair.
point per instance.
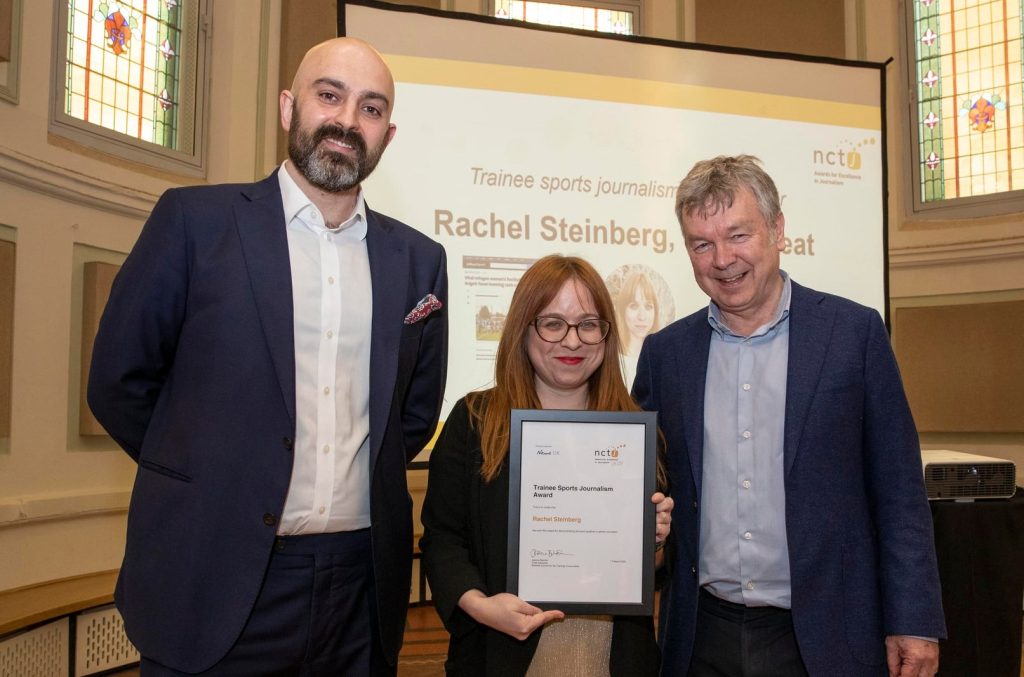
(514, 386)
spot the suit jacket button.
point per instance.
(289, 443)
(693, 570)
(695, 506)
(269, 520)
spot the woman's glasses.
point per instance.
(554, 329)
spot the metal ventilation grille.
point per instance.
(100, 642)
(967, 480)
(42, 652)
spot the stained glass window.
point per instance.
(122, 66)
(135, 70)
(970, 101)
(591, 18)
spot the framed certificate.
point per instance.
(580, 518)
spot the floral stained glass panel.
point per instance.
(970, 97)
(123, 66)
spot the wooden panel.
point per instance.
(22, 607)
(6, 334)
(97, 279)
(6, 16)
(963, 366)
(795, 26)
(304, 23)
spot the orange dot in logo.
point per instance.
(615, 453)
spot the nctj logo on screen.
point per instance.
(846, 155)
(836, 166)
(847, 158)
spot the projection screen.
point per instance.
(516, 142)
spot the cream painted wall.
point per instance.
(62, 509)
(62, 498)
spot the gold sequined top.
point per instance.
(578, 646)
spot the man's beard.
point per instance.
(326, 169)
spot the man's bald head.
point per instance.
(338, 113)
(350, 54)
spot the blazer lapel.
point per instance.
(389, 280)
(691, 357)
(261, 229)
(810, 325)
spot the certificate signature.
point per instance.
(552, 558)
(549, 553)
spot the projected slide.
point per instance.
(515, 143)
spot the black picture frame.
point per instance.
(644, 605)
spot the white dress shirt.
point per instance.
(333, 306)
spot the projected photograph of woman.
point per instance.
(643, 305)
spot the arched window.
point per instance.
(621, 18)
(967, 102)
(130, 77)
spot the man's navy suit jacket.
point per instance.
(193, 374)
(859, 531)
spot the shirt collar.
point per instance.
(297, 205)
(781, 313)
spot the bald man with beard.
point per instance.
(272, 356)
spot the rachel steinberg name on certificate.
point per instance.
(549, 490)
(581, 512)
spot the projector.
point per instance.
(961, 476)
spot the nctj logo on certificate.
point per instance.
(609, 456)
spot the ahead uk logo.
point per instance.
(609, 456)
(841, 163)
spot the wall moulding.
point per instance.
(957, 252)
(80, 189)
(16, 510)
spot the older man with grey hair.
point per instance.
(804, 540)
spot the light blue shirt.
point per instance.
(744, 557)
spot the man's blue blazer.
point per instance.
(861, 552)
(193, 374)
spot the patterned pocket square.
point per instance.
(427, 305)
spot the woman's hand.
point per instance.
(662, 524)
(506, 613)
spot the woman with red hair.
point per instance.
(559, 350)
